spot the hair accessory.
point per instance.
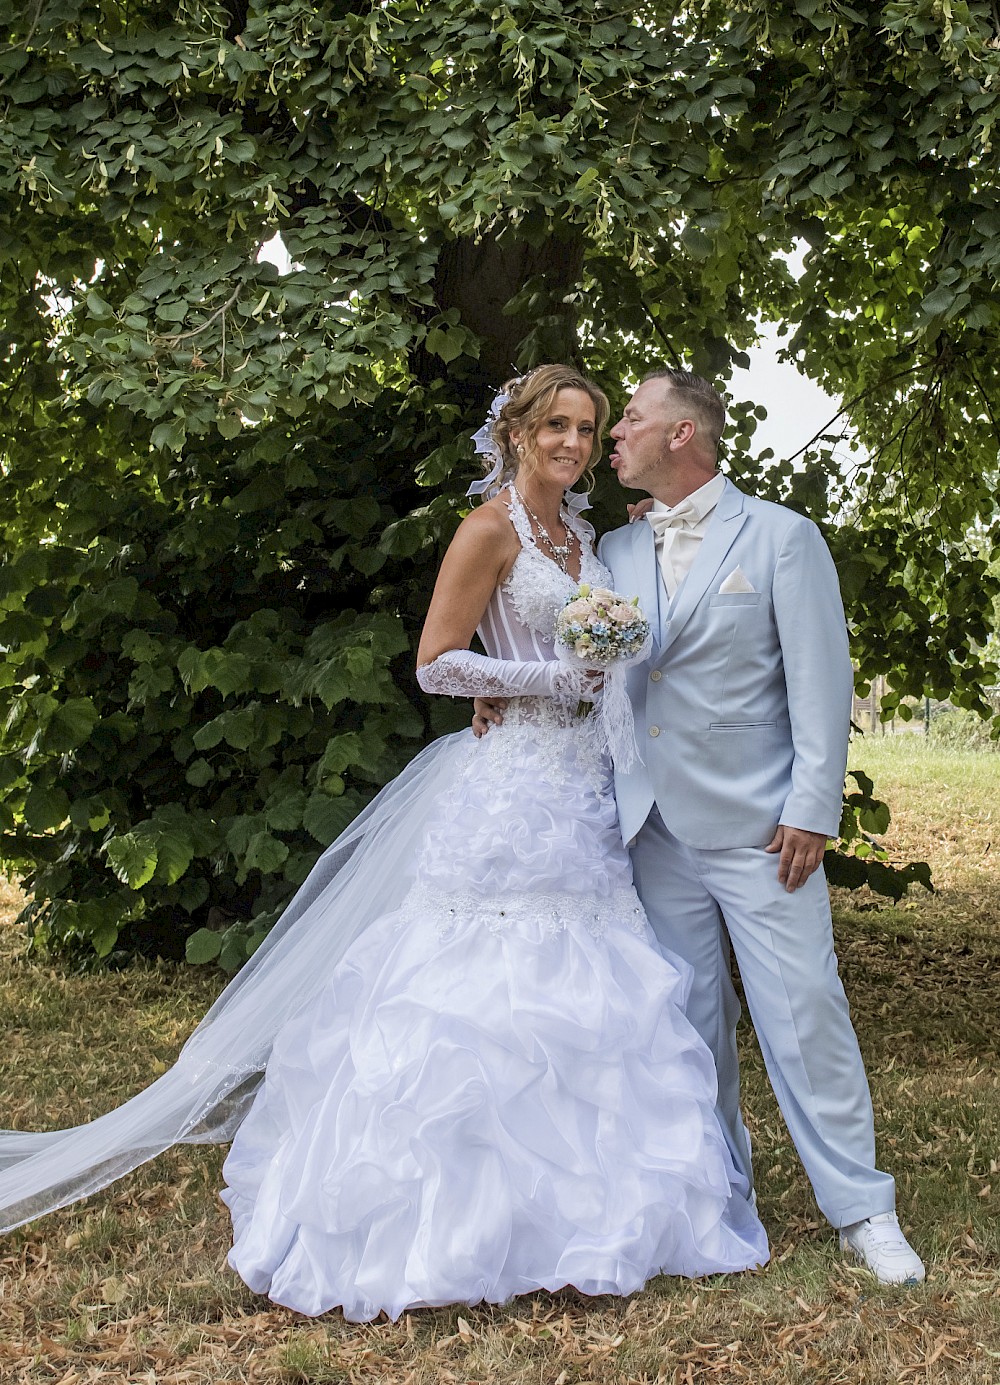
(486, 445)
(489, 481)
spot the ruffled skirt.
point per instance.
(496, 1090)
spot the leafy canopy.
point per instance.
(225, 490)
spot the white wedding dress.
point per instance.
(494, 1089)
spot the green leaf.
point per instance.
(696, 242)
(169, 435)
(939, 301)
(853, 572)
(132, 858)
(215, 668)
(203, 946)
(233, 952)
(89, 814)
(71, 724)
(104, 937)
(45, 808)
(209, 735)
(341, 751)
(174, 853)
(199, 773)
(875, 819)
(284, 810)
(149, 682)
(255, 939)
(120, 595)
(98, 307)
(141, 647)
(846, 872)
(864, 782)
(239, 728)
(325, 818)
(448, 345)
(265, 853)
(192, 892)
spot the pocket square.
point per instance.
(736, 582)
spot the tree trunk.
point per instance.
(480, 278)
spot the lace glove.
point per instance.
(463, 673)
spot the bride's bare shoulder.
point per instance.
(490, 524)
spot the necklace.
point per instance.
(560, 551)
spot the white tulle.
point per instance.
(361, 877)
(496, 1090)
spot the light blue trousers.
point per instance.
(699, 902)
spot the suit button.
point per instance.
(656, 675)
(654, 730)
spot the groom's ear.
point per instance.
(681, 433)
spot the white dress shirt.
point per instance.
(680, 528)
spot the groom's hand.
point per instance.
(488, 712)
(801, 853)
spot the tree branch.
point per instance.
(986, 400)
(174, 341)
(878, 384)
(196, 331)
(13, 47)
(657, 328)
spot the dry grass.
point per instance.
(132, 1286)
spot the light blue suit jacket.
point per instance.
(742, 711)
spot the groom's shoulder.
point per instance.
(781, 518)
(617, 539)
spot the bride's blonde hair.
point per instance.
(530, 401)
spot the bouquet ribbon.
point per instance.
(613, 713)
(599, 631)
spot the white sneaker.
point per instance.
(881, 1247)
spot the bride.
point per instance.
(479, 1078)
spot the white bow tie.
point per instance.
(680, 517)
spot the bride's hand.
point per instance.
(575, 684)
(640, 508)
(595, 682)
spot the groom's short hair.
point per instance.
(703, 399)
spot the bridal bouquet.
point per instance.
(598, 629)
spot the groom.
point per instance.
(742, 715)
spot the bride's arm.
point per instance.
(480, 556)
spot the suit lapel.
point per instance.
(723, 528)
(647, 575)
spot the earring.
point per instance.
(519, 449)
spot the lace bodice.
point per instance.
(519, 621)
(518, 632)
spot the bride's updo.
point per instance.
(530, 400)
